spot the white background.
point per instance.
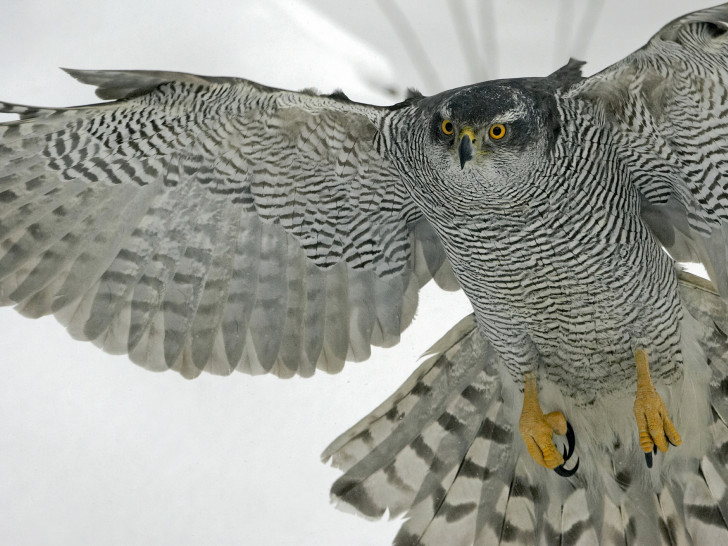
(95, 450)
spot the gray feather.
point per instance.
(297, 168)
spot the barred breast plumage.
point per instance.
(564, 270)
(213, 224)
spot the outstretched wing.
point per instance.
(668, 106)
(211, 224)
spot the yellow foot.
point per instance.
(653, 422)
(537, 429)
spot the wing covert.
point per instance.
(211, 224)
(667, 104)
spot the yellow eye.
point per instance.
(447, 127)
(497, 131)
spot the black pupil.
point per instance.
(448, 127)
(496, 131)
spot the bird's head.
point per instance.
(488, 122)
(487, 137)
(487, 143)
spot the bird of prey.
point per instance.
(213, 224)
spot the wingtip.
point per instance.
(75, 73)
(568, 74)
(122, 84)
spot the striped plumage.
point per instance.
(216, 224)
(557, 272)
(443, 449)
(203, 232)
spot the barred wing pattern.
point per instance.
(667, 104)
(211, 224)
(441, 451)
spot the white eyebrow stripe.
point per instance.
(510, 115)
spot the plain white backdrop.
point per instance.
(94, 450)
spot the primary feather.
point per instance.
(213, 224)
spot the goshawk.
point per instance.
(213, 224)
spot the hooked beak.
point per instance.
(466, 150)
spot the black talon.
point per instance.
(654, 449)
(648, 459)
(571, 440)
(561, 471)
(567, 453)
(673, 445)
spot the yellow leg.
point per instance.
(537, 429)
(653, 423)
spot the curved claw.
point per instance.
(567, 453)
(564, 473)
(648, 459)
(537, 431)
(571, 440)
(648, 455)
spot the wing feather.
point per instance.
(292, 355)
(182, 297)
(206, 321)
(149, 293)
(336, 333)
(314, 319)
(269, 313)
(667, 105)
(242, 289)
(202, 223)
(362, 313)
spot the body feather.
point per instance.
(213, 224)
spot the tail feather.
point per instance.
(550, 532)
(357, 442)
(642, 518)
(432, 427)
(577, 521)
(714, 466)
(715, 479)
(670, 500)
(520, 522)
(703, 519)
(457, 499)
(611, 528)
(497, 477)
(443, 451)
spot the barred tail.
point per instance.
(442, 450)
